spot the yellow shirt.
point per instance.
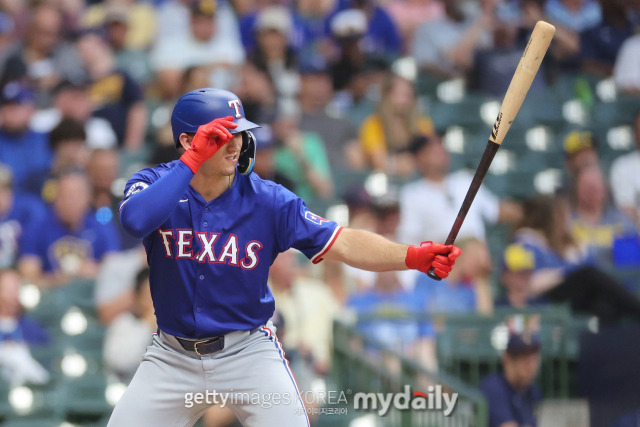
(372, 134)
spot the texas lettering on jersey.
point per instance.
(209, 247)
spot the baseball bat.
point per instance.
(520, 83)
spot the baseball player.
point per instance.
(211, 230)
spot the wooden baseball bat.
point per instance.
(520, 83)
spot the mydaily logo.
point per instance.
(433, 400)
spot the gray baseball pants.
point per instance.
(174, 387)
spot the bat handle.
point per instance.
(452, 238)
(433, 274)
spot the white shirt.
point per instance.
(125, 343)
(428, 209)
(625, 180)
(626, 72)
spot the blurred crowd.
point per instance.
(86, 93)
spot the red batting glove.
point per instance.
(428, 254)
(207, 141)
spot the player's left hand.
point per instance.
(428, 254)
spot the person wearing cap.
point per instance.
(24, 150)
(512, 394)
(203, 44)
(18, 211)
(579, 152)
(518, 264)
(275, 55)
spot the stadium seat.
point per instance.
(84, 399)
(465, 113)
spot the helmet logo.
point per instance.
(235, 104)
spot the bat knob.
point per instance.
(433, 275)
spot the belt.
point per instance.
(206, 346)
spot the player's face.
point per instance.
(226, 158)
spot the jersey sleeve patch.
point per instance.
(136, 188)
(315, 219)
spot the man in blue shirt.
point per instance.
(212, 229)
(25, 151)
(511, 394)
(71, 240)
(17, 213)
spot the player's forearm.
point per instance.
(145, 211)
(368, 251)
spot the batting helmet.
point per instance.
(200, 106)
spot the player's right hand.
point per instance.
(207, 141)
(428, 254)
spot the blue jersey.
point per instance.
(51, 241)
(209, 261)
(25, 211)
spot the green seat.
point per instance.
(465, 113)
(84, 399)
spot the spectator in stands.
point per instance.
(339, 135)
(258, 94)
(275, 55)
(429, 204)
(302, 158)
(6, 30)
(130, 333)
(600, 44)
(116, 97)
(18, 211)
(133, 60)
(626, 70)
(348, 28)
(71, 241)
(467, 291)
(204, 43)
(562, 270)
(577, 15)
(580, 152)
(17, 334)
(595, 222)
(445, 46)
(140, 16)
(625, 179)
(25, 151)
(493, 67)
(518, 266)
(307, 308)
(408, 15)
(115, 282)
(512, 394)
(385, 136)
(68, 142)
(174, 21)
(392, 315)
(382, 34)
(265, 165)
(42, 58)
(71, 101)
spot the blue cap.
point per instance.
(201, 106)
(523, 343)
(17, 93)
